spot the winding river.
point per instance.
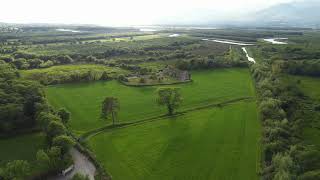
(251, 59)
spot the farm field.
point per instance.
(83, 100)
(21, 147)
(214, 143)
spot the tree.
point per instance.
(43, 159)
(7, 71)
(170, 97)
(55, 128)
(44, 119)
(104, 76)
(55, 154)
(64, 115)
(142, 80)
(65, 142)
(283, 164)
(17, 169)
(110, 107)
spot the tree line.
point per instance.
(285, 155)
(23, 106)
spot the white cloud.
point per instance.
(119, 12)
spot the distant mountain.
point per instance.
(301, 13)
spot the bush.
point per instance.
(310, 175)
(64, 115)
(79, 176)
(55, 128)
(17, 169)
(65, 142)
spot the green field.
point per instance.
(83, 100)
(21, 147)
(216, 143)
(212, 143)
(310, 86)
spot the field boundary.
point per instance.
(158, 84)
(155, 118)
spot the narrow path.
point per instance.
(82, 165)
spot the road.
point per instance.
(81, 165)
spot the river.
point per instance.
(174, 35)
(275, 40)
(229, 42)
(68, 30)
(251, 59)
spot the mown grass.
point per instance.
(83, 100)
(22, 147)
(214, 143)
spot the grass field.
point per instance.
(310, 86)
(21, 147)
(217, 143)
(83, 100)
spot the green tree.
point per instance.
(104, 76)
(7, 71)
(55, 128)
(64, 115)
(43, 159)
(170, 97)
(65, 142)
(44, 119)
(283, 165)
(110, 107)
(55, 155)
(16, 170)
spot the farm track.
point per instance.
(107, 128)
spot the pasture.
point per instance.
(83, 100)
(309, 85)
(214, 143)
(21, 147)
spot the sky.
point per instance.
(124, 12)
